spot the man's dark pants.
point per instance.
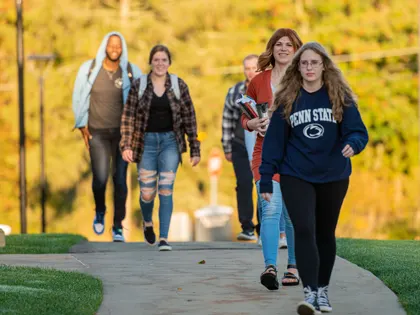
(244, 186)
(104, 148)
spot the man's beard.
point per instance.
(112, 59)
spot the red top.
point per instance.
(260, 90)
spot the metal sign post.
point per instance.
(214, 168)
(42, 62)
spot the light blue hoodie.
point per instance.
(83, 85)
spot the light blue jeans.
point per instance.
(250, 139)
(282, 225)
(271, 212)
(159, 161)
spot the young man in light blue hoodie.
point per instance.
(99, 94)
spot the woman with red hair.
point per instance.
(272, 63)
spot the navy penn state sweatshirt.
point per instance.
(310, 146)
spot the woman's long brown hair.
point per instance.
(339, 91)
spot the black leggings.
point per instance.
(314, 211)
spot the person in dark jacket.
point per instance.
(315, 129)
(233, 141)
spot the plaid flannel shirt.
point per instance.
(231, 114)
(136, 115)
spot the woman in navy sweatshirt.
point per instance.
(315, 129)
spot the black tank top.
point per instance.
(160, 116)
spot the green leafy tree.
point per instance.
(208, 41)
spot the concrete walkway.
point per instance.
(138, 279)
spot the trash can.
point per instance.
(213, 223)
(6, 229)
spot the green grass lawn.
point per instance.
(40, 243)
(396, 263)
(28, 291)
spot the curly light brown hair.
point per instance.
(339, 91)
(266, 59)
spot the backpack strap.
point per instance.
(130, 72)
(92, 65)
(175, 86)
(143, 85)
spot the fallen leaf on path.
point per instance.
(202, 262)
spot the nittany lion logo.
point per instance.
(313, 131)
(118, 83)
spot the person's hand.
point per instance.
(258, 124)
(127, 156)
(228, 156)
(348, 151)
(194, 160)
(267, 196)
(86, 135)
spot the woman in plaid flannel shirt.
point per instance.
(153, 129)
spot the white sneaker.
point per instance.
(117, 235)
(99, 223)
(323, 301)
(282, 243)
(310, 305)
(259, 241)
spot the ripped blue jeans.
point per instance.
(156, 173)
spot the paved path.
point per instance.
(138, 279)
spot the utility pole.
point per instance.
(417, 216)
(42, 177)
(418, 72)
(124, 14)
(22, 153)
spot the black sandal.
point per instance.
(290, 275)
(269, 278)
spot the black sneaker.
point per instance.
(310, 305)
(323, 301)
(149, 235)
(164, 246)
(117, 235)
(247, 236)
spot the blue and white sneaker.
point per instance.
(323, 301)
(99, 223)
(310, 305)
(117, 235)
